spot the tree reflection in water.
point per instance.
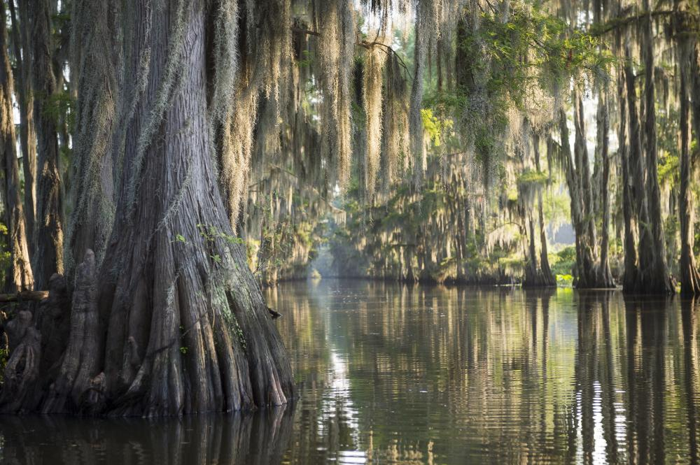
(399, 374)
(255, 438)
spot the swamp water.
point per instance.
(401, 374)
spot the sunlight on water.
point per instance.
(430, 375)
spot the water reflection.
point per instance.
(398, 374)
(445, 375)
(260, 438)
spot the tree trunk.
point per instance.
(647, 278)
(578, 181)
(537, 275)
(628, 211)
(92, 190)
(25, 98)
(48, 237)
(604, 274)
(583, 170)
(548, 277)
(531, 268)
(173, 322)
(690, 278)
(695, 88)
(636, 171)
(654, 277)
(20, 277)
(415, 120)
(583, 258)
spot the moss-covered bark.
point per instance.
(173, 321)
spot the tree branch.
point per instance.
(32, 296)
(361, 43)
(624, 22)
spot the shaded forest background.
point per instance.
(452, 140)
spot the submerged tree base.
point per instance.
(56, 362)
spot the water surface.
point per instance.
(403, 374)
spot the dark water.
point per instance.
(396, 374)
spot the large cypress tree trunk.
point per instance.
(20, 276)
(173, 322)
(187, 328)
(25, 99)
(48, 237)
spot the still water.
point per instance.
(402, 374)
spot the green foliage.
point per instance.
(533, 47)
(532, 178)
(556, 207)
(436, 129)
(563, 262)
(285, 246)
(512, 264)
(238, 332)
(211, 233)
(565, 280)
(5, 255)
(669, 171)
(58, 106)
(306, 60)
(4, 358)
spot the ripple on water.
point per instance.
(397, 374)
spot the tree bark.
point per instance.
(628, 212)
(604, 274)
(20, 277)
(25, 99)
(537, 275)
(92, 190)
(690, 278)
(578, 176)
(544, 254)
(187, 328)
(48, 237)
(655, 278)
(584, 260)
(650, 276)
(637, 176)
(173, 322)
(583, 171)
